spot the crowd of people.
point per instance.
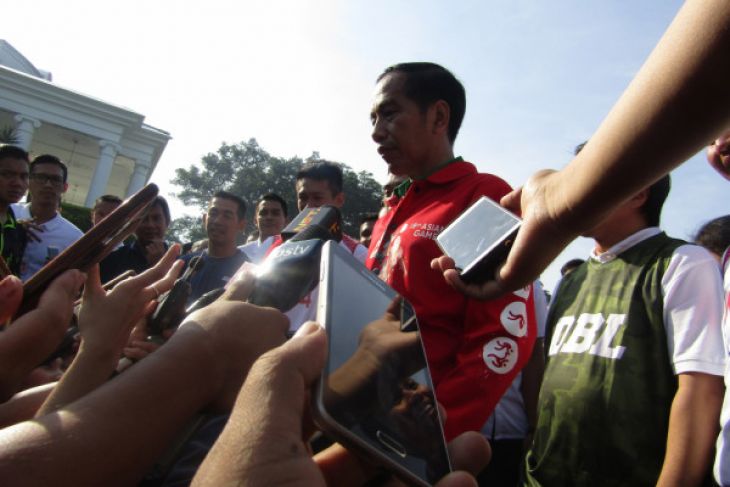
(618, 380)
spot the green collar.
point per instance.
(401, 189)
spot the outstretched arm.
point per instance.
(105, 321)
(30, 339)
(677, 103)
(138, 413)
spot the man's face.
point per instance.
(153, 226)
(399, 128)
(221, 222)
(270, 219)
(13, 180)
(314, 193)
(366, 232)
(46, 184)
(102, 209)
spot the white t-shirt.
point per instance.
(692, 295)
(722, 460)
(58, 234)
(509, 419)
(306, 309)
(256, 250)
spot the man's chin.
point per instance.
(396, 168)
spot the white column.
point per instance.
(24, 128)
(139, 177)
(107, 154)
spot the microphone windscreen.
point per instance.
(326, 216)
(311, 232)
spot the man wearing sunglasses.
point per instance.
(51, 233)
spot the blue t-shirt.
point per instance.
(215, 272)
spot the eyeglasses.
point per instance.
(23, 176)
(47, 178)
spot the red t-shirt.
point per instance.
(474, 348)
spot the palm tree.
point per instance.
(8, 135)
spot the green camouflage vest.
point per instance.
(609, 384)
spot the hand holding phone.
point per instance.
(284, 376)
(375, 394)
(93, 246)
(479, 240)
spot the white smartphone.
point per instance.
(375, 394)
(479, 239)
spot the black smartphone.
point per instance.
(92, 247)
(375, 394)
(479, 239)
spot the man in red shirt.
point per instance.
(474, 348)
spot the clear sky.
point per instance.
(298, 76)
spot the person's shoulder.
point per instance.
(125, 249)
(487, 184)
(188, 257)
(68, 226)
(491, 183)
(249, 245)
(693, 254)
(20, 210)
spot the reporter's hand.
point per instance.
(106, 318)
(235, 334)
(718, 155)
(263, 443)
(30, 339)
(138, 347)
(546, 230)
(32, 229)
(11, 295)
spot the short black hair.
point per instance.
(50, 159)
(162, 203)
(241, 213)
(368, 217)
(323, 171)
(427, 83)
(652, 208)
(275, 197)
(570, 265)
(107, 198)
(13, 152)
(715, 235)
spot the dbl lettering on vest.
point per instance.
(590, 333)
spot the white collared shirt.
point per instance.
(693, 304)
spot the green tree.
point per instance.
(249, 171)
(186, 229)
(8, 135)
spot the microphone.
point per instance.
(326, 216)
(291, 271)
(170, 309)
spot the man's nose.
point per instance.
(378, 134)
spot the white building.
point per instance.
(108, 149)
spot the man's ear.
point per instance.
(440, 114)
(65, 187)
(638, 200)
(205, 220)
(242, 224)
